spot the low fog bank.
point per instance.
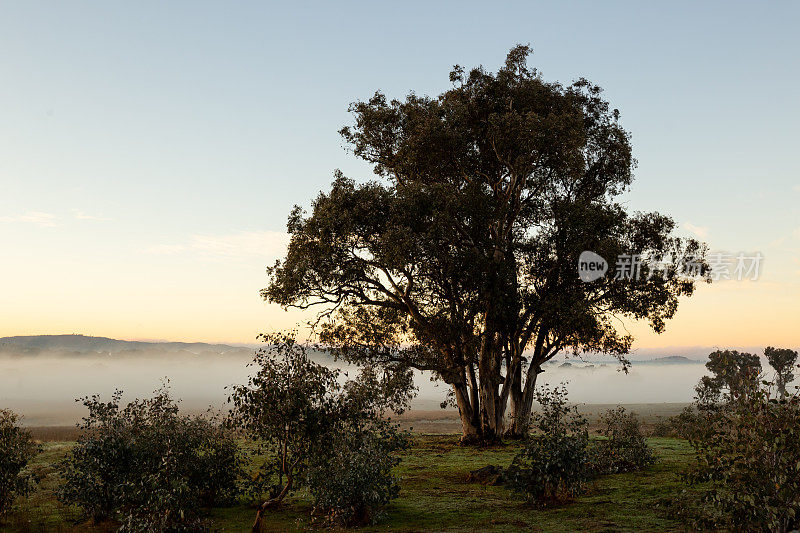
(43, 388)
(76, 345)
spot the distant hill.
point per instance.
(669, 360)
(592, 360)
(82, 345)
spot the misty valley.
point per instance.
(40, 377)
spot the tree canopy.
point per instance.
(733, 374)
(783, 360)
(460, 257)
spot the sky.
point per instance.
(150, 152)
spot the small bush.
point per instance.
(353, 482)
(748, 466)
(686, 422)
(287, 410)
(309, 428)
(149, 467)
(624, 448)
(695, 420)
(664, 428)
(747, 446)
(553, 466)
(17, 448)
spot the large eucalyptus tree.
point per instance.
(462, 256)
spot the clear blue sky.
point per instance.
(146, 148)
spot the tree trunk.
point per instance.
(272, 503)
(515, 405)
(468, 412)
(474, 395)
(522, 403)
(489, 411)
(491, 421)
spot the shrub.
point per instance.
(287, 409)
(624, 448)
(748, 466)
(686, 422)
(307, 426)
(353, 482)
(553, 466)
(747, 449)
(17, 448)
(664, 428)
(148, 466)
(695, 421)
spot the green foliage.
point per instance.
(312, 429)
(750, 459)
(149, 467)
(734, 374)
(747, 451)
(553, 466)
(352, 481)
(286, 408)
(782, 360)
(694, 420)
(624, 448)
(17, 448)
(664, 428)
(491, 191)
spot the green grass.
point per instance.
(435, 496)
(40, 511)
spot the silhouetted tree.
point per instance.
(462, 259)
(734, 375)
(782, 360)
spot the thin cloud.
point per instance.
(39, 218)
(243, 245)
(80, 215)
(166, 249)
(700, 231)
(777, 242)
(781, 240)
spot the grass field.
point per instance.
(436, 421)
(445, 422)
(435, 496)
